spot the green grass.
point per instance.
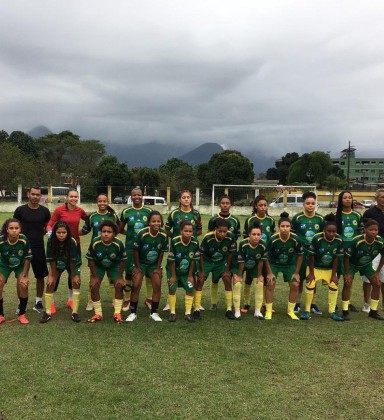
(211, 369)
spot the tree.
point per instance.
(111, 172)
(282, 166)
(178, 175)
(146, 177)
(334, 183)
(24, 142)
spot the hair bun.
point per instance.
(330, 217)
(284, 215)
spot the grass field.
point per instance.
(211, 369)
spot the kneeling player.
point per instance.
(324, 252)
(106, 255)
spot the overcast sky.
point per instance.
(278, 76)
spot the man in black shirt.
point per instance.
(34, 219)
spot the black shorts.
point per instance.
(39, 263)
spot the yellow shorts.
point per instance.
(321, 275)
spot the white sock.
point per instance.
(70, 294)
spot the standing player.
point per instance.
(133, 219)
(224, 213)
(15, 256)
(306, 224)
(34, 218)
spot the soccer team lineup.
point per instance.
(175, 253)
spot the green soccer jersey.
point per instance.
(94, 221)
(150, 246)
(217, 251)
(325, 251)
(106, 255)
(267, 226)
(13, 255)
(284, 253)
(361, 253)
(351, 225)
(251, 255)
(306, 227)
(233, 223)
(135, 220)
(183, 254)
(177, 216)
(63, 260)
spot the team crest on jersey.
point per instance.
(290, 250)
(375, 252)
(258, 256)
(112, 256)
(20, 252)
(193, 222)
(191, 254)
(158, 246)
(145, 218)
(225, 248)
(334, 251)
(354, 222)
(317, 226)
(268, 229)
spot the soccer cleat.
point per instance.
(148, 303)
(315, 309)
(366, 308)
(53, 309)
(155, 316)
(23, 319)
(75, 317)
(346, 316)
(201, 309)
(305, 316)
(268, 316)
(297, 308)
(45, 318)
(352, 308)
(375, 315)
(258, 315)
(213, 306)
(166, 308)
(238, 314)
(126, 306)
(38, 307)
(89, 306)
(131, 317)
(117, 318)
(172, 318)
(196, 315)
(245, 309)
(95, 318)
(189, 318)
(336, 317)
(69, 303)
(2, 319)
(230, 315)
(293, 316)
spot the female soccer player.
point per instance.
(15, 256)
(285, 255)
(224, 213)
(70, 213)
(252, 254)
(259, 216)
(134, 219)
(217, 250)
(106, 255)
(358, 258)
(62, 254)
(324, 252)
(183, 259)
(92, 224)
(149, 247)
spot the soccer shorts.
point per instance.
(366, 271)
(286, 271)
(215, 268)
(112, 272)
(129, 264)
(6, 271)
(375, 264)
(39, 263)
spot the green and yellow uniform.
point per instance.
(135, 219)
(267, 226)
(177, 216)
(107, 257)
(233, 224)
(251, 255)
(94, 221)
(150, 247)
(183, 255)
(350, 227)
(12, 256)
(63, 261)
(282, 254)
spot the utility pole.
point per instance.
(348, 162)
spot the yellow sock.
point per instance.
(332, 297)
(149, 288)
(237, 295)
(259, 295)
(314, 296)
(118, 303)
(344, 305)
(268, 311)
(308, 299)
(228, 300)
(264, 290)
(48, 300)
(172, 303)
(89, 295)
(374, 304)
(76, 300)
(214, 290)
(188, 304)
(197, 298)
(290, 311)
(247, 294)
(112, 292)
(97, 308)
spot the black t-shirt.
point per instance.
(376, 214)
(33, 223)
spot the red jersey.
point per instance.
(71, 217)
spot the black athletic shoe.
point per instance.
(346, 316)
(172, 318)
(230, 315)
(196, 315)
(45, 318)
(38, 307)
(375, 315)
(189, 318)
(75, 317)
(352, 308)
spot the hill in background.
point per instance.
(39, 131)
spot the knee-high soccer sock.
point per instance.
(97, 308)
(154, 307)
(237, 296)
(332, 297)
(268, 311)
(149, 289)
(197, 299)
(76, 300)
(188, 304)
(259, 295)
(214, 291)
(69, 288)
(314, 297)
(228, 299)
(247, 294)
(89, 294)
(48, 300)
(23, 305)
(2, 306)
(309, 294)
(374, 304)
(127, 296)
(345, 305)
(112, 292)
(290, 311)
(172, 303)
(133, 307)
(117, 304)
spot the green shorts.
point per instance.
(112, 272)
(182, 281)
(340, 266)
(6, 271)
(147, 270)
(129, 263)
(367, 270)
(304, 266)
(216, 268)
(287, 272)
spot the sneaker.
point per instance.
(89, 306)
(45, 318)
(375, 315)
(126, 306)
(238, 314)
(189, 318)
(258, 315)
(366, 308)
(131, 317)
(172, 318)
(53, 309)
(23, 319)
(297, 308)
(346, 316)
(213, 306)
(148, 303)
(315, 309)
(336, 317)
(196, 315)
(75, 317)
(201, 309)
(166, 308)
(38, 307)
(229, 315)
(95, 318)
(2, 319)
(117, 318)
(155, 316)
(268, 316)
(293, 316)
(352, 308)
(305, 316)
(245, 309)
(69, 303)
